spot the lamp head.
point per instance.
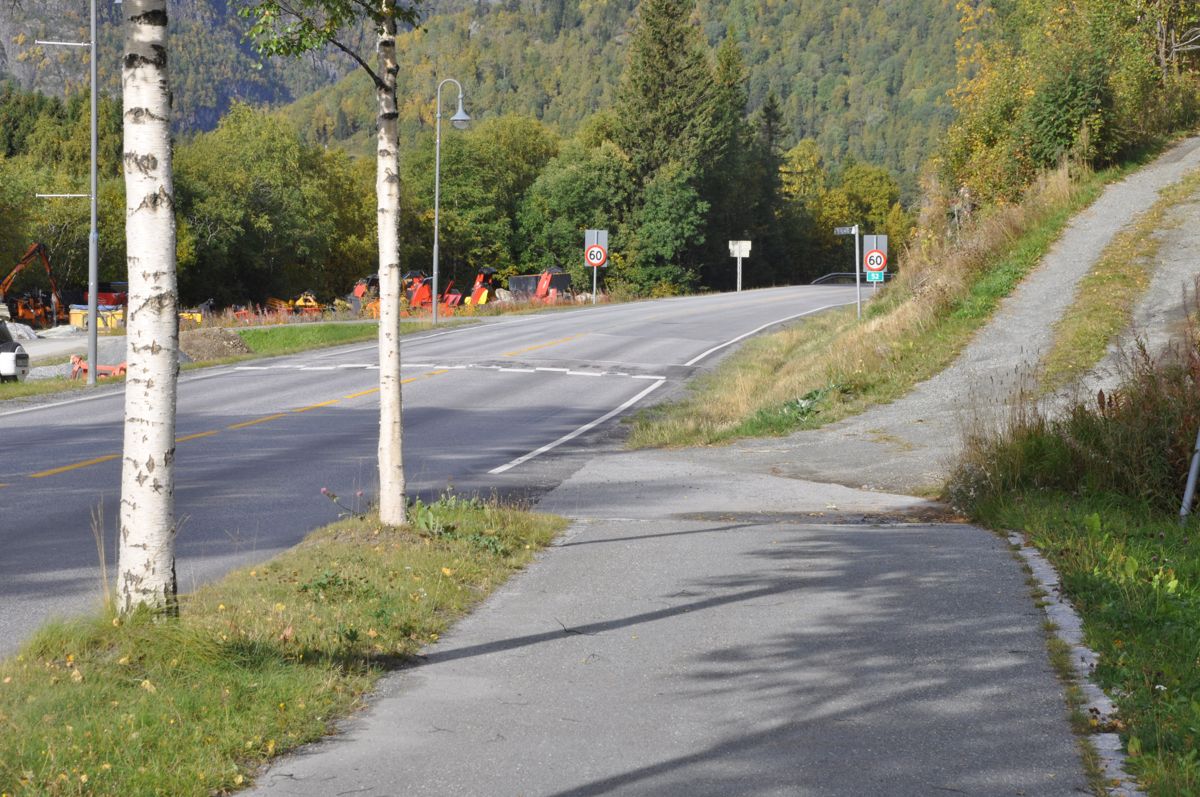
(460, 120)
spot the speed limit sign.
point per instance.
(875, 260)
(596, 255)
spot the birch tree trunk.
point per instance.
(147, 522)
(387, 186)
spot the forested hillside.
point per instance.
(679, 127)
(212, 65)
(866, 80)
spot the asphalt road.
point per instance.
(487, 408)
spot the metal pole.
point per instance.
(459, 120)
(437, 195)
(94, 233)
(739, 290)
(858, 271)
(595, 281)
(1189, 492)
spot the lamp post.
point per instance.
(460, 120)
(93, 232)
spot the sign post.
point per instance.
(857, 263)
(595, 254)
(739, 249)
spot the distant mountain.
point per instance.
(211, 64)
(866, 80)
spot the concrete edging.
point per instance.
(1068, 627)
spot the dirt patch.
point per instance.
(214, 343)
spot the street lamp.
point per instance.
(460, 120)
(93, 232)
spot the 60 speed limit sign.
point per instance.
(596, 256)
(875, 260)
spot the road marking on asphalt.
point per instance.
(558, 342)
(86, 463)
(728, 343)
(196, 436)
(362, 393)
(316, 406)
(257, 421)
(571, 436)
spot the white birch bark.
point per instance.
(147, 519)
(387, 185)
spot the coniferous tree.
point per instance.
(665, 111)
(665, 103)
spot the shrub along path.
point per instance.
(910, 445)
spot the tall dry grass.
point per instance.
(1135, 442)
(952, 276)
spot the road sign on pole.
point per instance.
(875, 260)
(595, 254)
(739, 249)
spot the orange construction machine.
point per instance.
(32, 308)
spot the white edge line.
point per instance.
(571, 436)
(585, 373)
(700, 357)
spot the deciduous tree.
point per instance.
(147, 516)
(300, 26)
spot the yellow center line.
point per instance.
(196, 436)
(231, 427)
(317, 406)
(544, 345)
(86, 463)
(264, 419)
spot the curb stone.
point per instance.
(1068, 627)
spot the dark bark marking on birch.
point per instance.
(139, 116)
(156, 58)
(157, 17)
(142, 163)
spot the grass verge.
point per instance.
(256, 664)
(1103, 306)
(1096, 487)
(265, 341)
(1134, 576)
(832, 366)
(272, 341)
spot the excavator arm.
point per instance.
(36, 251)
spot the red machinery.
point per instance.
(32, 309)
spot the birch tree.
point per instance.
(147, 517)
(293, 27)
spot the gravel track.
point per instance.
(910, 445)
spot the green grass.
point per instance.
(271, 341)
(1134, 576)
(256, 664)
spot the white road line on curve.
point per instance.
(727, 343)
(571, 436)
